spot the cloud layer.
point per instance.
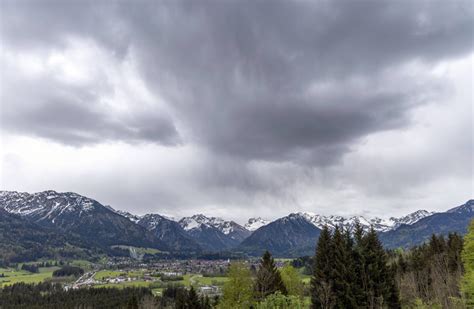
(286, 103)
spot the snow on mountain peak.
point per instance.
(129, 216)
(379, 224)
(255, 223)
(45, 205)
(199, 220)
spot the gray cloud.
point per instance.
(69, 114)
(238, 73)
(279, 97)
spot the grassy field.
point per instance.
(103, 274)
(86, 265)
(200, 280)
(13, 276)
(122, 285)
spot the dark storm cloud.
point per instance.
(71, 114)
(75, 124)
(280, 81)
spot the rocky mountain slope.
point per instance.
(81, 222)
(255, 223)
(169, 232)
(72, 213)
(455, 220)
(292, 235)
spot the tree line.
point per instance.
(48, 295)
(353, 270)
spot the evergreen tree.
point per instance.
(268, 279)
(132, 303)
(360, 282)
(343, 273)
(322, 295)
(377, 274)
(393, 296)
(455, 246)
(192, 301)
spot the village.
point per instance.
(206, 276)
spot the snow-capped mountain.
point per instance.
(168, 231)
(84, 221)
(293, 235)
(255, 223)
(455, 220)
(296, 234)
(47, 205)
(129, 216)
(410, 218)
(70, 212)
(214, 233)
(379, 224)
(230, 228)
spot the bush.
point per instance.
(280, 301)
(67, 271)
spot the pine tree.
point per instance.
(393, 296)
(360, 282)
(343, 274)
(268, 280)
(192, 301)
(455, 245)
(132, 303)
(377, 273)
(322, 295)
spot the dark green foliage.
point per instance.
(352, 273)
(343, 273)
(67, 270)
(192, 301)
(21, 240)
(205, 302)
(268, 279)
(322, 280)
(47, 295)
(377, 280)
(174, 296)
(305, 262)
(178, 297)
(32, 268)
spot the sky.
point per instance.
(241, 108)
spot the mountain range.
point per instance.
(69, 219)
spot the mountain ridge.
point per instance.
(70, 212)
(94, 223)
